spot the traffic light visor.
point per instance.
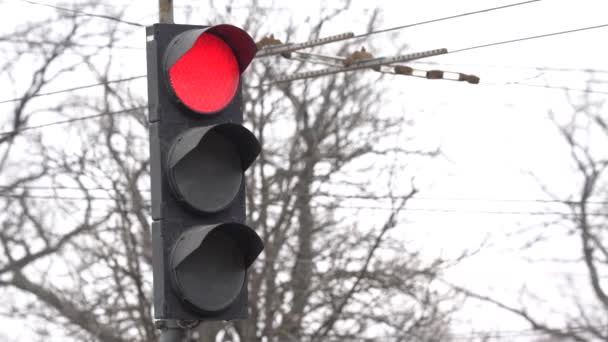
(209, 264)
(203, 66)
(205, 165)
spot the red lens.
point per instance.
(206, 77)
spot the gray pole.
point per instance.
(170, 331)
(172, 335)
(165, 11)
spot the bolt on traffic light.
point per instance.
(199, 152)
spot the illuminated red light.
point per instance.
(206, 77)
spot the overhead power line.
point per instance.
(68, 44)
(464, 211)
(287, 48)
(57, 197)
(369, 63)
(516, 40)
(340, 196)
(407, 209)
(317, 73)
(338, 61)
(108, 17)
(444, 18)
(504, 334)
(518, 67)
(589, 91)
(59, 188)
(76, 88)
(94, 15)
(424, 210)
(487, 335)
(26, 128)
(272, 46)
(143, 76)
(457, 199)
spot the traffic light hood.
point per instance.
(205, 165)
(209, 264)
(242, 44)
(246, 143)
(247, 239)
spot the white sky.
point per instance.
(493, 134)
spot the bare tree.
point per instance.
(585, 133)
(69, 249)
(78, 256)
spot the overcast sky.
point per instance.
(492, 134)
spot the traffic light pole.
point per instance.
(170, 331)
(165, 11)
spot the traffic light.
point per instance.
(198, 155)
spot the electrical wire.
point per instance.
(34, 42)
(58, 188)
(359, 36)
(465, 211)
(94, 15)
(70, 198)
(289, 47)
(458, 199)
(143, 76)
(443, 18)
(26, 128)
(75, 88)
(510, 41)
(353, 207)
(503, 334)
(517, 67)
(589, 91)
(490, 335)
(449, 52)
(272, 83)
(516, 40)
(338, 196)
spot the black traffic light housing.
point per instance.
(198, 154)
